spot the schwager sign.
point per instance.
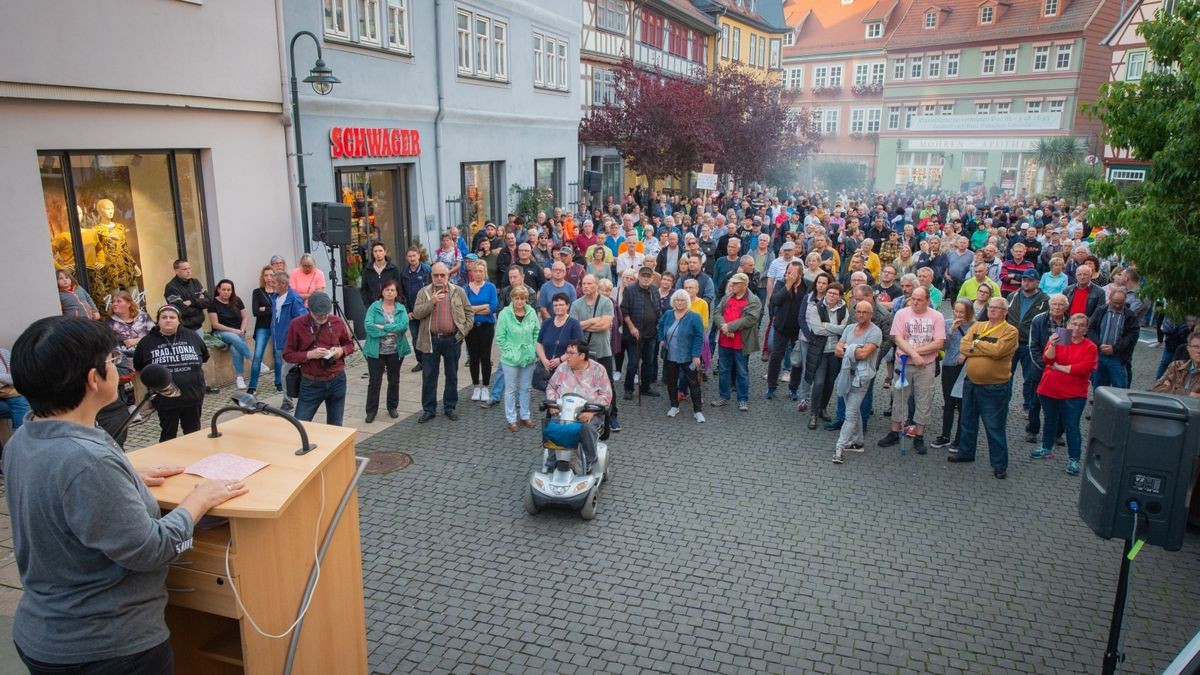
(369, 142)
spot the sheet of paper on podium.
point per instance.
(224, 466)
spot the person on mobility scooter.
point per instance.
(578, 395)
(580, 375)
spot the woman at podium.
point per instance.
(91, 544)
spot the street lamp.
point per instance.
(322, 80)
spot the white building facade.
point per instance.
(121, 153)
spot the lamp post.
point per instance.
(322, 80)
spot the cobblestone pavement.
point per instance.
(737, 546)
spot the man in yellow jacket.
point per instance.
(987, 386)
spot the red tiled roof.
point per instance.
(828, 25)
(960, 22)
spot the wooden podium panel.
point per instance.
(269, 543)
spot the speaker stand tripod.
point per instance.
(1113, 654)
(331, 250)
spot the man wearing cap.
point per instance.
(736, 322)
(778, 268)
(575, 271)
(557, 283)
(1011, 270)
(1023, 306)
(640, 311)
(318, 344)
(444, 312)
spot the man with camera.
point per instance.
(318, 343)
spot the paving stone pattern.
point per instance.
(737, 546)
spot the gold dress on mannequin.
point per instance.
(120, 270)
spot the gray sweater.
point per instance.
(90, 544)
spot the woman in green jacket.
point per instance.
(385, 348)
(516, 337)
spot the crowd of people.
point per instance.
(921, 293)
(835, 294)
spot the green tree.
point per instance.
(1075, 179)
(1158, 119)
(837, 176)
(1055, 154)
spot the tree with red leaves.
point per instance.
(667, 125)
(756, 127)
(657, 123)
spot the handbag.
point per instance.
(292, 382)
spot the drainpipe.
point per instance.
(286, 120)
(441, 107)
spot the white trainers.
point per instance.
(485, 395)
(837, 456)
(265, 369)
(785, 376)
(475, 394)
(636, 378)
(672, 411)
(241, 383)
(616, 376)
(699, 417)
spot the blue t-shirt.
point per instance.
(486, 296)
(547, 292)
(554, 339)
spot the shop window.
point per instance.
(378, 209)
(547, 177)
(127, 217)
(481, 193)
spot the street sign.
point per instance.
(706, 181)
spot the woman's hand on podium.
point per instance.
(153, 476)
(211, 493)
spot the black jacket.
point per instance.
(787, 307)
(1126, 339)
(1095, 297)
(179, 291)
(262, 317)
(184, 354)
(372, 281)
(1041, 303)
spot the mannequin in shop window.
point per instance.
(64, 252)
(120, 271)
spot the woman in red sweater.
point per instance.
(1064, 388)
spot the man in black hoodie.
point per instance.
(377, 271)
(188, 296)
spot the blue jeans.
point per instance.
(237, 348)
(445, 355)
(1110, 372)
(16, 408)
(989, 403)
(281, 370)
(498, 383)
(517, 382)
(1028, 376)
(1168, 356)
(315, 392)
(731, 358)
(1064, 413)
(414, 327)
(262, 338)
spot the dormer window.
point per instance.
(987, 14)
(930, 19)
(1050, 8)
(874, 30)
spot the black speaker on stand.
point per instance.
(331, 223)
(1139, 466)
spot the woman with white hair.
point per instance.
(681, 333)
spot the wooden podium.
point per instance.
(270, 538)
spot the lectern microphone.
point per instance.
(157, 379)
